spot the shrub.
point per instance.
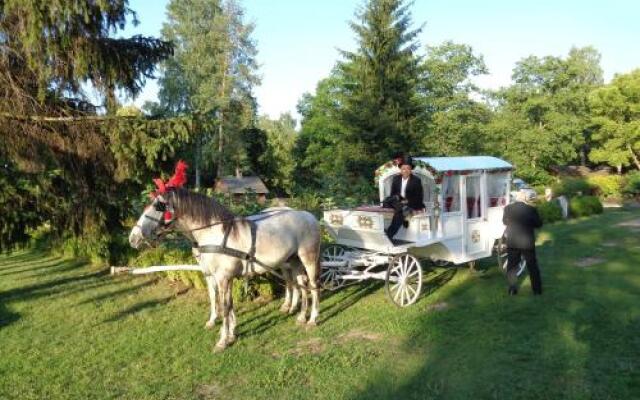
(571, 187)
(584, 205)
(261, 287)
(550, 211)
(632, 187)
(607, 185)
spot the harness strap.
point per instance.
(213, 248)
(249, 257)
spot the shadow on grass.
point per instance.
(117, 293)
(7, 317)
(439, 280)
(577, 341)
(19, 266)
(363, 289)
(51, 287)
(140, 307)
(44, 266)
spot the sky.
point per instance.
(298, 41)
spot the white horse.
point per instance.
(279, 239)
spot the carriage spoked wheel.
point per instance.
(501, 257)
(330, 275)
(404, 280)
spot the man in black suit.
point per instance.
(521, 219)
(408, 189)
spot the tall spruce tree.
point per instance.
(379, 103)
(55, 148)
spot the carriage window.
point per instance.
(428, 189)
(451, 193)
(473, 197)
(497, 189)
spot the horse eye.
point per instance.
(160, 207)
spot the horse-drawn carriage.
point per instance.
(464, 199)
(462, 220)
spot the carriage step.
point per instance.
(400, 242)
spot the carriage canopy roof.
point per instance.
(469, 163)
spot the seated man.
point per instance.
(408, 189)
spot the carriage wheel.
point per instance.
(501, 257)
(330, 275)
(404, 280)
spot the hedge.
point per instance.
(572, 187)
(584, 205)
(632, 187)
(550, 211)
(607, 185)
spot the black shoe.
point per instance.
(513, 291)
(405, 224)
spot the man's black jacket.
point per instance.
(413, 191)
(521, 219)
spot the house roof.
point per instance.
(469, 163)
(241, 185)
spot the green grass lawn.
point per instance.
(68, 330)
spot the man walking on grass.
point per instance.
(521, 219)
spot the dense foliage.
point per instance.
(62, 162)
(582, 206)
(550, 211)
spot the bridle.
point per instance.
(164, 225)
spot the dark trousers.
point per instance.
(513, 259)
(395, 224)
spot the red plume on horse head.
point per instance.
(178, 179)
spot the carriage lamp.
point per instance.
(335, 219)
(365, 222)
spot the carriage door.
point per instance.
(474, 213)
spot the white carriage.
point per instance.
(464, 198)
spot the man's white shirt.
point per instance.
(403, 188)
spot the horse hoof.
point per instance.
(231, 339)
(219, 347)
(301, 321)
(284, 310)
(210, 324)
(312, 324)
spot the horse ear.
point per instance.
(160, 185)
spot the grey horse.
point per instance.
(282, 238)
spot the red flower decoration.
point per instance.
(178, 179)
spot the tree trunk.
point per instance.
(220, 128)
(636, 161)
(198, 153)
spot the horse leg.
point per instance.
(224, 293)
(295, 290)
(231, 334)
(302, 316)
(211, 287)
(287, 275)
(312, 266)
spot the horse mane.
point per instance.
(201, 209)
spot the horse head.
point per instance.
(157, 217)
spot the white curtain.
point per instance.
(473, 197)
(451, 193)
(497, 189)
